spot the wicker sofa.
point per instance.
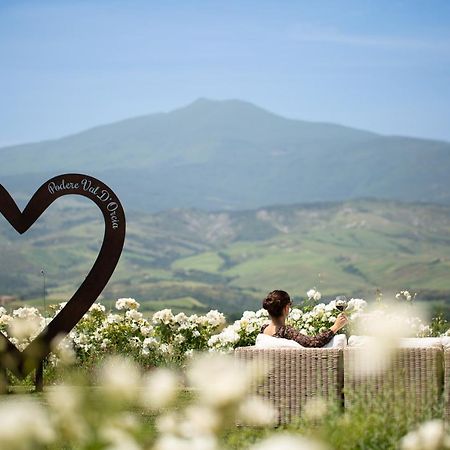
(295, 376)
(420, 378)
(412, 380)
(447, 385)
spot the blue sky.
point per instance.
(381, 65)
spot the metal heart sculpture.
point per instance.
(21, 363)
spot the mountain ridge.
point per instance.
(234, 155)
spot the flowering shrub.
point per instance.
(22, 326)
(241, 333)
(166, 338)
(322, 316)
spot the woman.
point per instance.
(277, 303)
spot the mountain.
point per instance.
(232, 155)
(197, 260)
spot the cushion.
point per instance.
(360, 341)
(338, 341)
(421, 342)
(445, 341)
(266, 341)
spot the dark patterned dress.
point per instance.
(288, 332)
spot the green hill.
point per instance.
(196, 260)
(232, 155)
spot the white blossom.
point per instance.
(289, 441)
(256, 412)
(160, 388)
(24, 424)
(127, 303)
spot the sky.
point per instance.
(380, 65)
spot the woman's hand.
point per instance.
(340, 322)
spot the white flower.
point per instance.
(202, 420)
(165, 316)
(63, 349)
(127, 303)
(215, 318)
(317, 296)
(226, 338)
(356, 304)
(24, 424)
(315, 408)
(180, 318)
(149, 342)
(121, 377)
(166, 349)
(160, 388)
(310, 294)
(429, 436)
(97, 307)
(179, 339)
(64, 398)
(172, 442)
(5, 319)
(26, 312)
(249, 315)
(65, 402)
(113, 318)
(220, 379)
(262, 313)
(288, 441)
(132, 314)
(119, 439)
(25, 325)
(146, 330)
(167, 423)
(256, 412)
(295, 314)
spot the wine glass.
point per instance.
(341, 302)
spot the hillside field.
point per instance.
(193, 260)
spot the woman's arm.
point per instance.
(320, 340)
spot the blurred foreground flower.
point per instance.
(219, 379)
(256, 412)
(381, 331)
(121, 378)
(160, 388)
(315, 409)
(289, 441)
(24, 424)
(430, 435)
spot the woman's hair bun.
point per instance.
(275, 302)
